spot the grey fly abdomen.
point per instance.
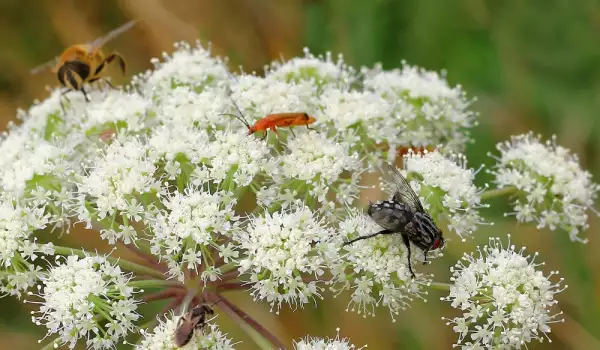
(390, 215)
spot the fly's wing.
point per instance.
(44, 66)
(404, 193)
(111, 35)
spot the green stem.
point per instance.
(154, 284)
(440, 286)
(125, 264)
(497, 192)
(227, 267)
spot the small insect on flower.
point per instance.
(405, 215)
(83, 63)
(401, 151)
(272, 121)
(191, 321)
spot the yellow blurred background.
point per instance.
(532, 65)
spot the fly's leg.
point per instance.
(292, 131)
(383, 232)
(407, 244)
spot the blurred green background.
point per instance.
(533, 65)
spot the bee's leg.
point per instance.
(425, 253)
(109, 84)
(119, 58)
(63, 96)
(407, 244)
(264, 137)
(292, 131)
(85, 94)
(383, 232)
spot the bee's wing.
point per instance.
(404, 193)
(111, 35)
(42, 67)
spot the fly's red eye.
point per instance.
(437, 243)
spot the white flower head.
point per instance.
(187, 66)
(185, 107)
(161, 337)
(552, 189)
(375, 270)
(122, 109)
(29, 158)
(430, 112)
(320, 70)
(235, 158)
(362, 118)
(504, 297)
(445, 186)
(118, 176)
(192, 223)
(87, 298)
(284, 256)
(19, 253)
(313, 165)
(257, 97)
(315, 343)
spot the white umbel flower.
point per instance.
(161, 338)
(257, 97)
(19, 253)
(432, 112)
(118, 177)
(552, 189)
(190, 226)
(187, 66)
(282, 250)
(315, 343)
(375, 270)
(363, 118)
(127, 110)
(504, 297)
(313, 165)
(322, 71)
(87, 298)
(446, 189)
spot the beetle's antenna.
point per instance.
(238, 117)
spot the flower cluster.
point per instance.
(87, 298)
(314, 343)
(446, 187)
(428, 111)
(191, 225)
(18, 250)
(504, 297)
(375, 270)
(285, 254)
(161, 337)
(172, 169)
(551, 187)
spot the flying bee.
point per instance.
(191, 321)
(84, 63)
(404, 215)
(272, 121)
